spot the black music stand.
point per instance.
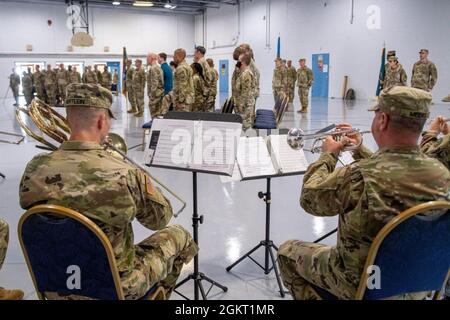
(197, 219)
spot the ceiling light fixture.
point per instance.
(169, 6)
(116, 3)
(143, 4)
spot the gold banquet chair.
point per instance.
(68, 254)
(412, 253)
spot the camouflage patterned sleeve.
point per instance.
(154, 211)
(436, 148)
(328, 191)
(182, 86)
(247, 93)
(433, 76)
(310, 78)
(403, 78)
(362, 153)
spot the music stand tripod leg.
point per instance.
(2, 175)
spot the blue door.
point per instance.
(112, 66)
(223, 76)
(320, 68)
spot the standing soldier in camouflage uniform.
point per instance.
(63, 79)
(435, 147)
(183, 84)
(253, 68)
(237, 71)
(112, 193)
(6, 294)
(244, 103)
(291, 80)
(75, 76)
(424, 74)
(139, 79)
(155, 85)
(38, 81)
(366, 195)
(98, 73)
(215, 80)
(129, 85)
(278, 80)
(208, 75)
(395, 74)
(50, 85)
(14, 83)
(200, 91)
(27, 86)
(90, 76)
(106, 79)
(305, 79)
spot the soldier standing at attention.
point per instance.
(139, 79)
(155, 85)
(395, 74)
(75, 76)
(278, 79)
(27, 86)
(129, 86)
(215, 80)
(237, 71)
(305, 79)
(424, 74)
(86, 174)
(98, 73)
(253, 68)
(245, 92)
(208, 76)
(6, 294)
(63, 79)
(365, 195)
(183, 84)
(106, 79)
(14, 83)
(91, 76)
(291, 80)
(200, 91)
(38, 81)
(50, 85)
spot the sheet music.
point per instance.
(234, 178)
(253, 158)
(287, 159)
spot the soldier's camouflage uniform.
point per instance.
(4, 237)
(395, 77)
(27, 87)
(214, 88)
(106, 79)
(155, 89)
(257, 76)
(130, 90)
(183, 87)
(305, 79)
(438, 148)
(14, 83)
(278, 82)
(366, 195)
(51, 86)
(208, 74)
(90, 77)
(75, 77)
(424, 75)
(245, 98)
(234, 78)
(99, 75)
(200, 95)
(38, 80)
(291, 80)
(62, 79)
(83, 176)
(139, 79)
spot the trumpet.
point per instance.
(296, 138)
(54, 125)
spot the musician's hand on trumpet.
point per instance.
(439, 125)
(354, 138)
(330, 144)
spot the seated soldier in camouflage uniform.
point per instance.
(435, 147)
(81, 175)
(366, 195)
(6, 294)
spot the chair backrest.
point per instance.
(282, 110)
(411, 253)
(278, 102)
(68, 254)
(224, 106)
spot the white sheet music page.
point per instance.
(170, 143)
(287, 159)
(253, 158)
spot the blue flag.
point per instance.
(279, 47)
(382, 71)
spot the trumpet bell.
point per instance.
(295, 139)
(118, 142)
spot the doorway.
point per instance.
(320, 68)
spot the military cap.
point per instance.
(392, 58)
(405, 102)
(302, 59)
(89, 95)
(424, 51)
(391, 53)
(278, 59)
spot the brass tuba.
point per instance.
(54, 125)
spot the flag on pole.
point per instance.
(382, 71)
(124, 70)
(279, 47)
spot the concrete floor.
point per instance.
(234, 215)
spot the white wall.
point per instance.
(307, 27)
(23, 24)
